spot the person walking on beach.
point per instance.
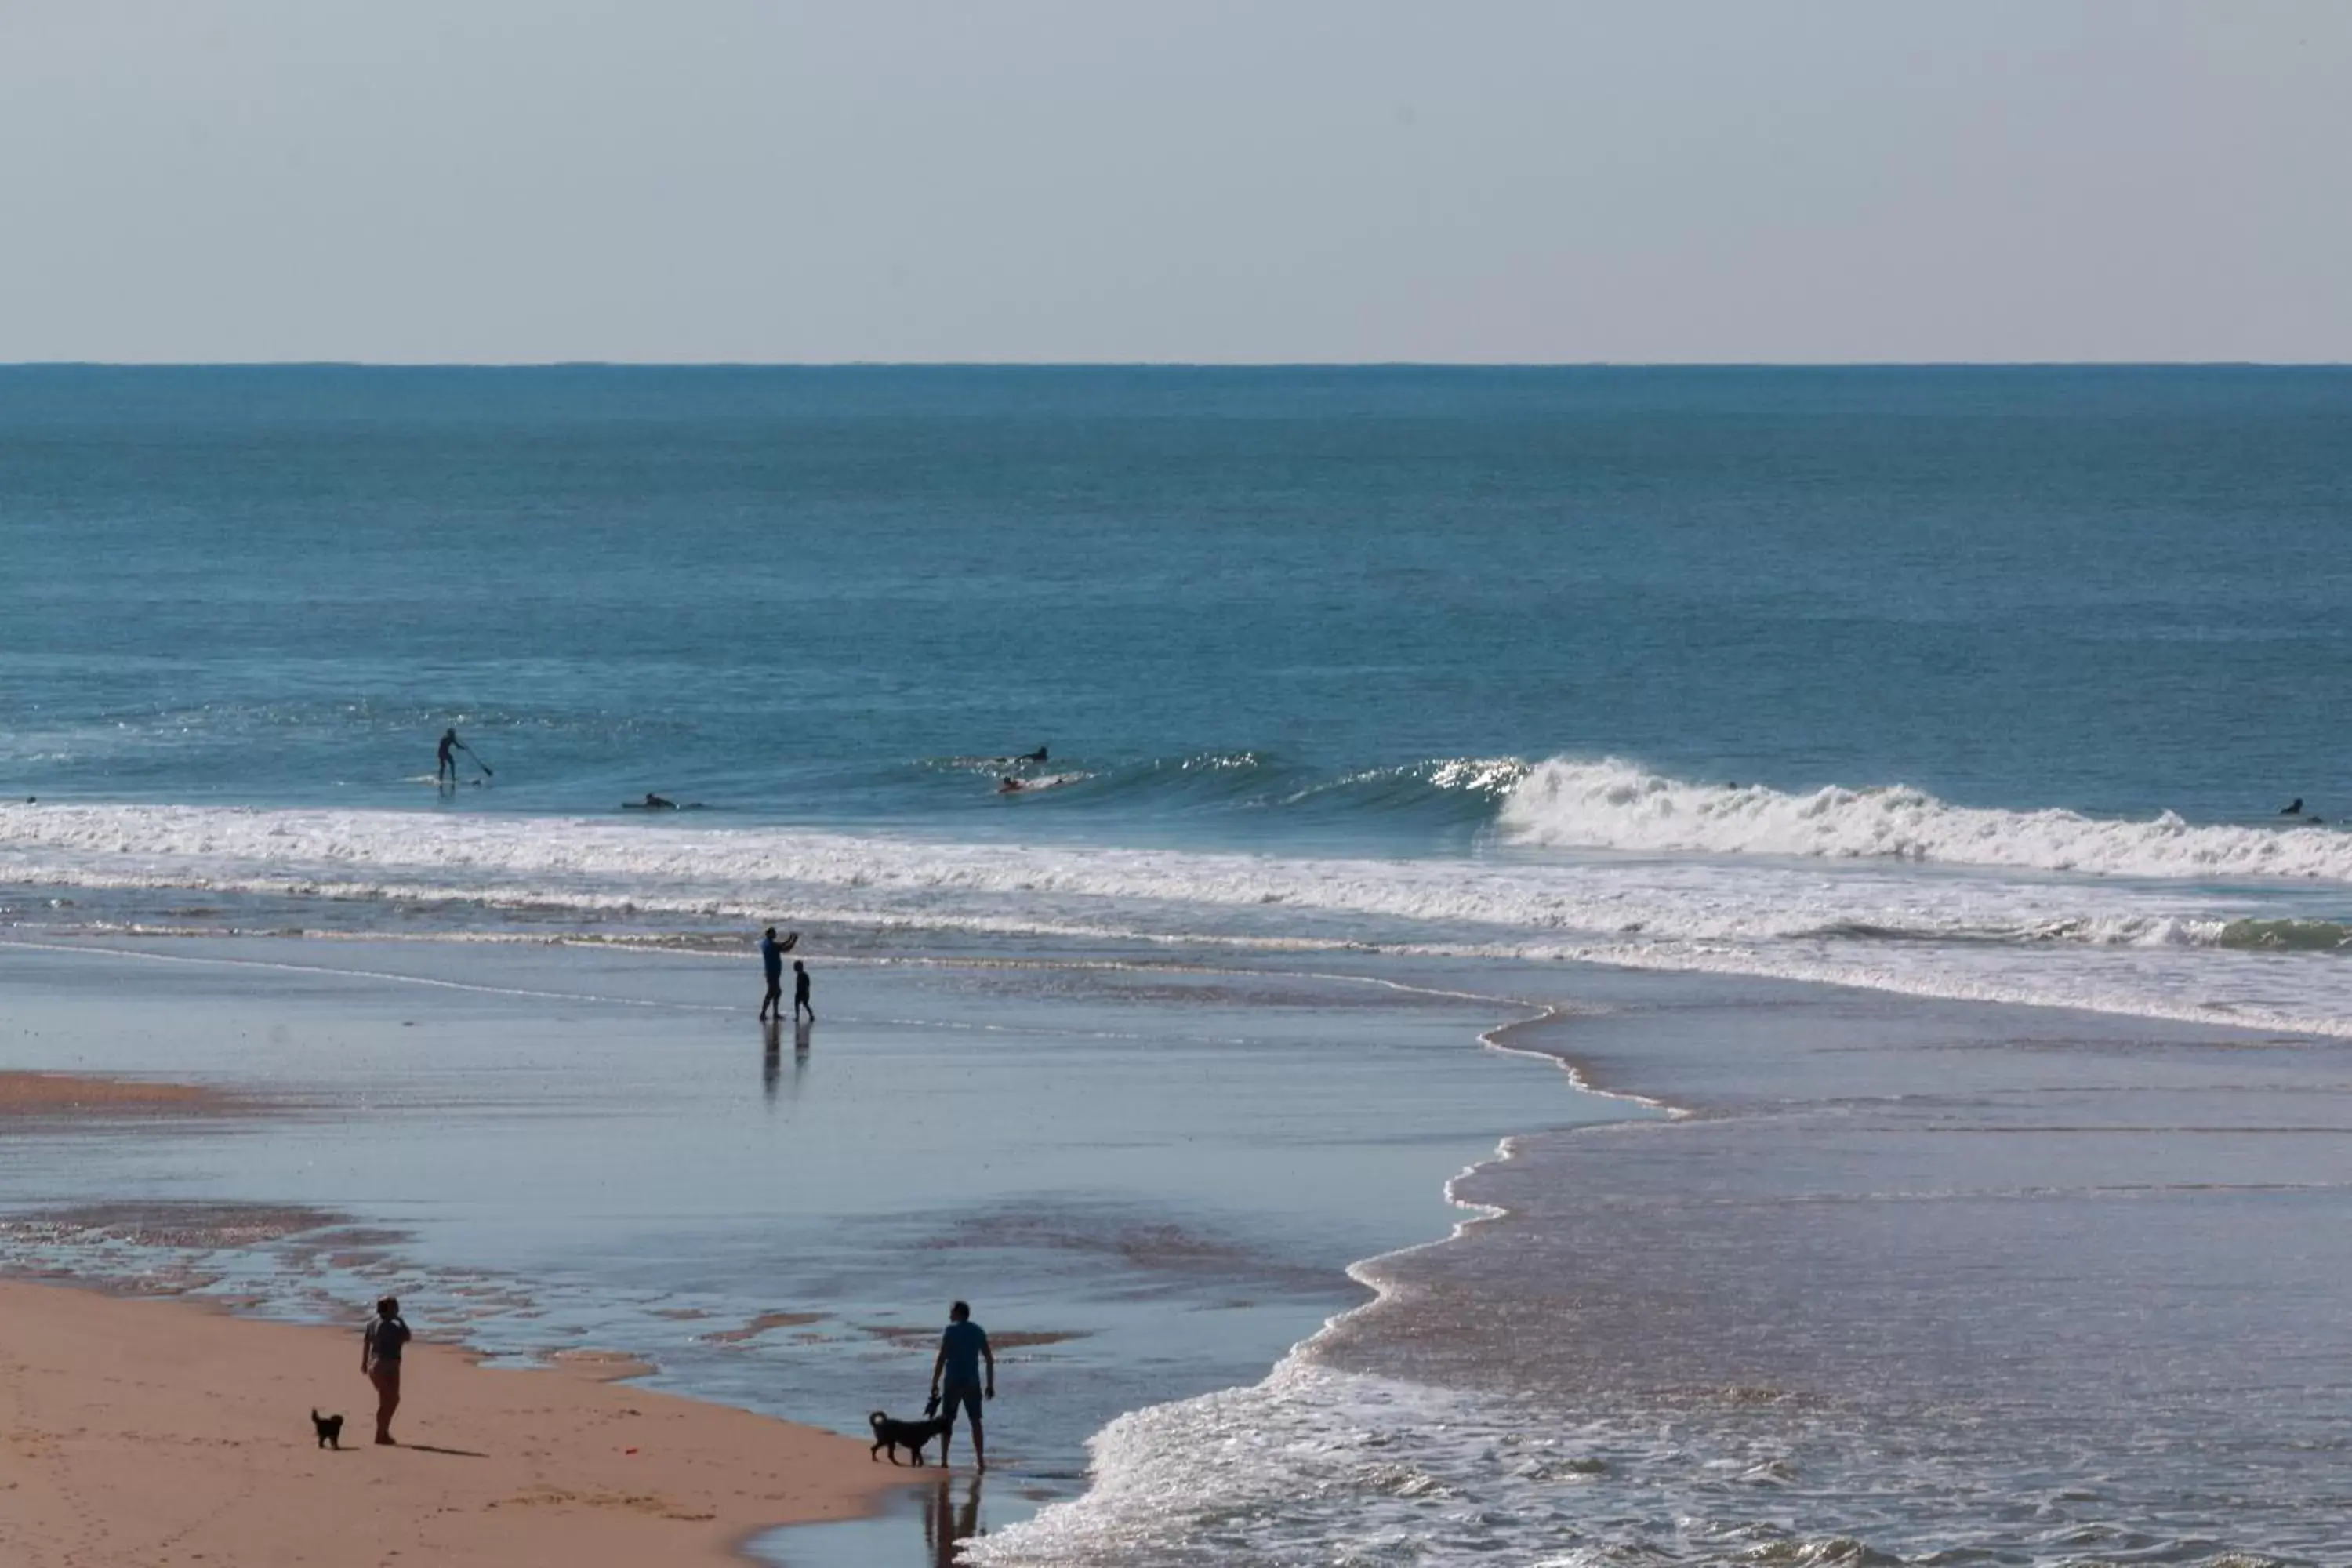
(963, 1348)
(380, 1348)
(800, 992)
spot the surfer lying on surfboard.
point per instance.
(660, 803)
(1012, 784)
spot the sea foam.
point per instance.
(2211, 949)
(602, 865)
(1615, 804)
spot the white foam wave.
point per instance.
(1614, 805)
(1307, 1466)
(2114, 945)
(603, 866)
(1315, 1464)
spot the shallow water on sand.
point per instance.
(1927, 1283)
(1148, 1179)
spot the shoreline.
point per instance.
(149, 1431)
(1395, 1375)
(638, 1049)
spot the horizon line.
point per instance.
(1170, 364)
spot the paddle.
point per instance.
(478, 759)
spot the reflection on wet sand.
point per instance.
(924, 1525)
(949, 1523)
(771, 1054)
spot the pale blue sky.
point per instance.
(1652, 180)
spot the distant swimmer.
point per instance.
(1008, 784)
(1037, 757)
(2293, 808)
(655, 803)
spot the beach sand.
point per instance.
(142, 1433)
(55, 1094)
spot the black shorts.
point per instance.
(967, 1395)
(775, 987)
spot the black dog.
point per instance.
(330, 1428)
(909, 1435)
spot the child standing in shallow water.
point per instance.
(380, 1348)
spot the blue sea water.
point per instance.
(1950, 684)
(787, 592)
(1941, 640)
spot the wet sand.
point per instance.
(145, 1433)
(50, 1095)
(1148, 1179)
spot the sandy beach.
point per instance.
(144, 1432)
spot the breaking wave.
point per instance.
(1615, 804)
(590, 865)
(2255, 953)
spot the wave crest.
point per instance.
(1614, 805)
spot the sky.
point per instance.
(1331, 181)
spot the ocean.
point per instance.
(1937, 720)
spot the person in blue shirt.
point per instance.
(962, 1349)
(771, 960)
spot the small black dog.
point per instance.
(909, 1435)
(330, 1429)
